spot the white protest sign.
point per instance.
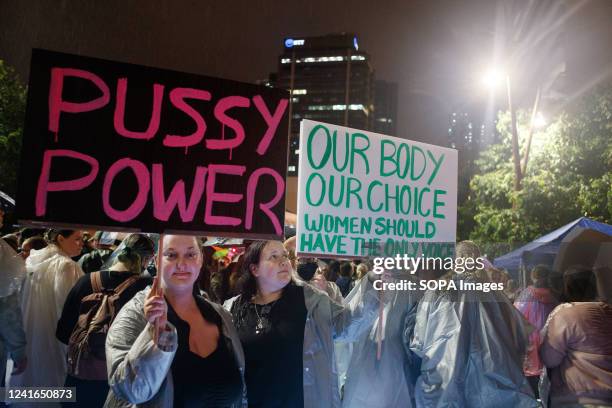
(363, 194)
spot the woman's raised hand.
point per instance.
(155, 307)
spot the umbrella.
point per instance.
(6, 202)
(580, 247)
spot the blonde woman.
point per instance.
(171, 347)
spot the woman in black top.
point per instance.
(287, 328)
(130, 260)
(212, 380)
(270, 323)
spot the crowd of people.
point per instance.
(265, 329)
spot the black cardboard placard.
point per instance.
(128, 147)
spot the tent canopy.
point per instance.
(544, 249)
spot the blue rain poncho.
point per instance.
(472, 346)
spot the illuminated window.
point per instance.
(338, 107)
(299, 92)
(320, 59)
(286, 61)
(316, 107)
(291, 168)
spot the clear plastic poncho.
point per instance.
(384, 383)
(51, 276)
(535, 304)
(12, 270)
(472, 346)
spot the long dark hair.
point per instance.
(247, 283)
(539, 276)
(579, 284)
(333, 270)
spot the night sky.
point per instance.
(432, 49)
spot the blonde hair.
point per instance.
(362, 270)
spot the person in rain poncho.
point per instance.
(535, 303)
(472, 345)
(51, 275)
(386, 382)
(12, 336)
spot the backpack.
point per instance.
(86, 355)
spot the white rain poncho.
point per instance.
(50, 276)
(472, 346)
(384, 383)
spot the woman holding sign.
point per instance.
(287, 329)
(171, 347)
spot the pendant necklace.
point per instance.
(259, 328)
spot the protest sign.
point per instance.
(127, 147)
(363, 194)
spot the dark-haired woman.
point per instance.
(51, 275)
(124, 274)
(171, 347)
(287, 330)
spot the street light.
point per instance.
(539, 121)
(492, 78)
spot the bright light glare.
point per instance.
(539, 121)
(493, 77)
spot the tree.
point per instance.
(12, 111)
(569, 175)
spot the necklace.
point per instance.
(259, 328)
